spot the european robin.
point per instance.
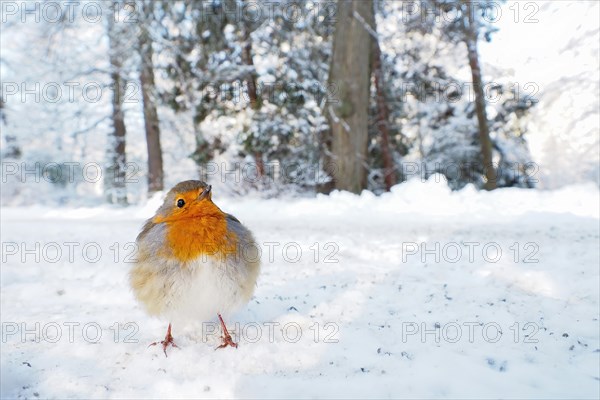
(194, 261)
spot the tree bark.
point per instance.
(148, 89)
(382, 118)
(114, 179)
(480, 105)
(252, 92)
(2, 117)
(350, 73)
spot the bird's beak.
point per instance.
(205, 193)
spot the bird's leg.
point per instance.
(227, 340)
(168, 341)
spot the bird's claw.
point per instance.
(227, 341)
(165, 343)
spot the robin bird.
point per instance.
(193, 261)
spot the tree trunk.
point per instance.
(382, 118)
(484, 131)
(114, 179)
(349, 73)
(2, 117)
(252, 92)
(148, 88)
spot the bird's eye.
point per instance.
(180, 203)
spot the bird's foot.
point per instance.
(227, 340)
(165, 343)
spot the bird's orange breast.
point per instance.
(194, 236)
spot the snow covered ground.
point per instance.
(363, 311)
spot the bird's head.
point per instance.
(188, 199)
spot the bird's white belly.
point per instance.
(204, 288)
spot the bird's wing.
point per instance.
(146, 228)
(231, 217)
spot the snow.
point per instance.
(564, 125)
(370, 308)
